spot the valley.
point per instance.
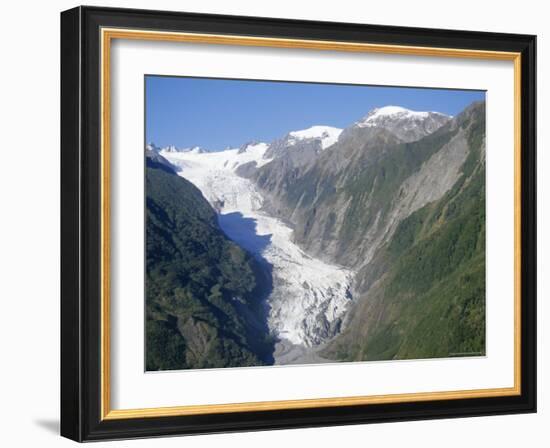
(309, 297)
(366, 243)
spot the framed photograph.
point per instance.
(274, 223)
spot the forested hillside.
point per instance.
(409, 217)
(425, 294)
(204, 294)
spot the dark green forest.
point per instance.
(204, 306)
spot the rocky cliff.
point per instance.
(355, 204)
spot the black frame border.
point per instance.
(81, 223)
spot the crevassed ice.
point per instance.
(309, 297)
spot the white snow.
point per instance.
(327, 134)
(396, 112)
(170, 148)
(308, 294)
(228, 159)
(152, 147)
(173, 149)
(393, 110)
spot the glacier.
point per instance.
(310, 297)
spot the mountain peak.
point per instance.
(395, 113)
(327, 134)
(192, 149)
(248, 145)
(170, 148)
(391, 110)
(408, 125)
(152, 147)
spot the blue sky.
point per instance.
(216, 113)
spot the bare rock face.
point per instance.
(198, 337)
(345, 203)
(340, 200)
(315, 138)
(406, 124)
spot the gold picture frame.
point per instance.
(118, 25)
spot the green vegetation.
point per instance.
(434, 296)
(426, 297)
(382, 177)
(203, 292)
(421, 295)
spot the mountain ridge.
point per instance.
(327, 135)
(391, 186)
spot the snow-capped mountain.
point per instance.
(229, 159)
(406, 124)
(171, 148)
(152, 147)
(251, 146)
(321, 207)
(153, 155)
(174, 149)
(327, 135)
(304, 145)
(192, 149)
(266, 207)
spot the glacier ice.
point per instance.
(309, 297)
